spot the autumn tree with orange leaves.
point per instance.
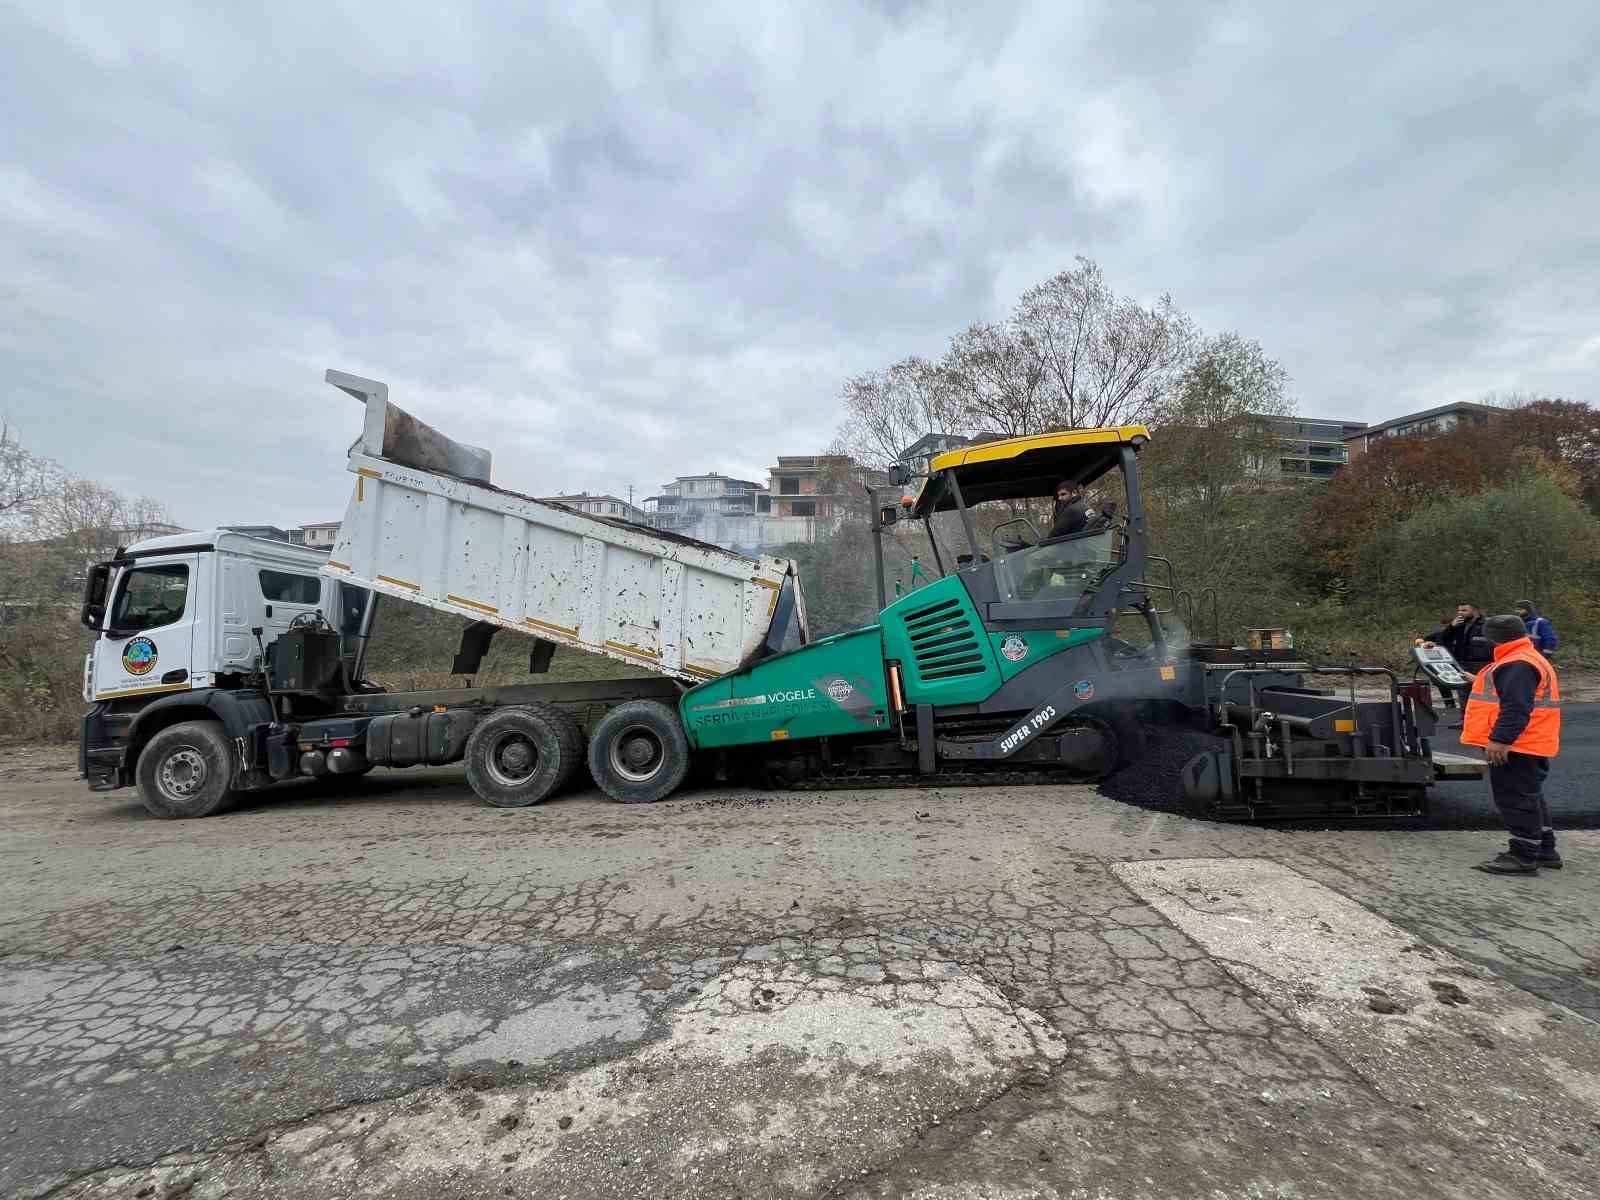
(1398, 478)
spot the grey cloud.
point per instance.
(624, 244)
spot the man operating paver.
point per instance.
(1514, 713)
(1463, 636)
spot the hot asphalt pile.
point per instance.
(1153, 780)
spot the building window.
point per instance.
(802, 508)
(788, 485)
(764, 504)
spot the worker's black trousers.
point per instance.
(1518, 789)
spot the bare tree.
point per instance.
(999, 378)
(887, 410)
(1217, 424)
(64, 524)
(1103, 359)
(1072, 354)
(26, 481)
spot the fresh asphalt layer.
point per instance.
(1574, 786)
(980, 992)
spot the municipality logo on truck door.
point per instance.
(139, 656)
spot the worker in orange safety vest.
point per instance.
(1514, 713)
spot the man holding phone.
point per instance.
(1463, 636)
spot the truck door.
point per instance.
(286, 594)
(148, 634)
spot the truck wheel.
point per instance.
(638, 753)
(520, 756)
(185, 771)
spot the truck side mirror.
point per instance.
(95, 589)
(888, 514)
(900, 474)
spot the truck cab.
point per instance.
(184, 617)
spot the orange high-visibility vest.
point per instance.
(1543, 734)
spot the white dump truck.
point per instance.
(226, 663)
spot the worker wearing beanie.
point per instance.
(1540, 630)
(1514, 713)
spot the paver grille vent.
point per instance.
(944, 641)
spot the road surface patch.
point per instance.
(772, 1080)
(1483, 1058)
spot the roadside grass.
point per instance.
(41, 679)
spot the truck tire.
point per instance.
(185, 771)
(522, 755)
(638, 752)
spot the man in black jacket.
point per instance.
(1463, 636)
(1071, 512)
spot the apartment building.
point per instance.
(1428, 423)
(1309, 447)
(691, 500)
(319, 535)
(807, 485)
(600, 506)
(800, 502)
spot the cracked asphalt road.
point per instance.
(1006, 992)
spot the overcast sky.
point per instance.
(618, 244)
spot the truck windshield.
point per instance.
(1058, 571)
(151, 597)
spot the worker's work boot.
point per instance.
(1549, 856)
(1507, 863)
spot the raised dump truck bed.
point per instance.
(425, 524)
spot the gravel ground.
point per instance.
(971, 992)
